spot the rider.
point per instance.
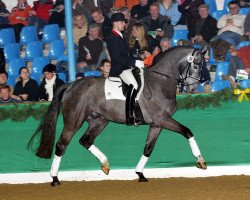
(122, 64)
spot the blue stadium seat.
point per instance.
(28, 34)
(11, 51)
(221, 69)
(62, 76)
(12, 80)
(56, 49)
(38, 65)
(245, 83)
(179, 34)
(218, 13)
(212, 5)
(220, 85)
(37, 77)
(243, 44)
(7, 36)
(33, 50)
(51, 32)
(225, 6)
(14, 66)
(92, 73)
(244, 11)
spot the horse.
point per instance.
(84, 100)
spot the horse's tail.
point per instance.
(47, 127)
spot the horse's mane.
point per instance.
(170, 51)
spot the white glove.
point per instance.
(139, 63)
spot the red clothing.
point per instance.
(16, 12)
(244, 55)
(42, 10)
(130, 3)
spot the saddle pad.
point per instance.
(113, 89)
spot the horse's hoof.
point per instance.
(105, 167)
(142, 178)
(55, 182)
(201, 163)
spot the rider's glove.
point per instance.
(139, 63)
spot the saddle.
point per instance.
(115, 88)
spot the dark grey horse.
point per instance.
(84, 100)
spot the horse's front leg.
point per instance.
(175, 126)
(148, 149)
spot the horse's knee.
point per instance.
(60, 148)
(187, 133)
(85, 141)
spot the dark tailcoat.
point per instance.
(119, 54)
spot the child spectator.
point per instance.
(26, 89)
(105, 68)
(5, 95)
(49, 84)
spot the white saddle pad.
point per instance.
(113, 89)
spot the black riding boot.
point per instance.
(129, 107)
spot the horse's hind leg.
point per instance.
(61, 145)
(96, 124)
(175, 126)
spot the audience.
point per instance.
(83, 7)
(244, 3)
(205, 29)
(26, 89)
(5, 95)
(102, 21)
(90, 48)
(128, 3)
(157, 23)
(57, 15)
(169, 8)
(3, 78)
(4, 14)
(129, 24)
(105, 68)
(49, 84)
(140, 10)
(231, 30)
(40, 13)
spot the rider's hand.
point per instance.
(139, 63)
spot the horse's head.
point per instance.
(190, 69)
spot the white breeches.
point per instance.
(128, 77)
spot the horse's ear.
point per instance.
(190, 58)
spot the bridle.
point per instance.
(187, 68)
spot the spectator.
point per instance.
(79, 76)
(26, 89)
(2, 60)
(243, 3)
(247, 24)
(140, 10)
(39, 14)
(5, 95)
(157, 23)
(83, 7)
(205, 29)
(102, 22)
(129, 23)
(80, 27)
(189, 13)
(4, 14)
(231, 30)
(57, 15)
(19, 16)
(90, 48)
(140, 43)
(3, 77)
(169, 8)
(105, 68)
(128, 3)
(49, 84)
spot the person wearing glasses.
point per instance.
(230, 31)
